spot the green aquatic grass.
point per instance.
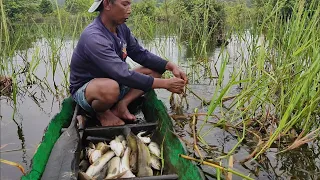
(4, 39)
(280, 76)
(17, 39)
(283, 70)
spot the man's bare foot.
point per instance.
(107, 118)
(121, 111)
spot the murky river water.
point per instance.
(22, 130)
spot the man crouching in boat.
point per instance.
(100, 79)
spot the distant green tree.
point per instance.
(13, 9)
(286, 9)
(210, 12)
(20, 10)
(45, 7)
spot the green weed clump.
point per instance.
(287, 62)
(279, 78)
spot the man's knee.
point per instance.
(109, 91)
(148, 71)
(156, 74)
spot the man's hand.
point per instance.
(175, 85)
(176, 71)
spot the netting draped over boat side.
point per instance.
(49, 139)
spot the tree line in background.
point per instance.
(26, 10)
(195, 12)
(35, 10)
(200, 19)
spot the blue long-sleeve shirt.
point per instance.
(101, 54)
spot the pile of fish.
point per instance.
(133, 156)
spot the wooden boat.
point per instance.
(157, 119)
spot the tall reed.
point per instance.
(283, 69)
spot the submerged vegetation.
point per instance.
(266, 94)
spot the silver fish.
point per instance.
(84, 176)
(145, 140)
(133, 161)
(94, 156)
(155, 162)
(102, 174)
(154, 149)
(120, 138)
(124, 164)
(176, 103)
(99, 164)
(103, 147)
(127, 174)
(125, 160)
(116, 176)
(89, 151)
(124, 143)
(113, 167)
(117, 147)
(132, 143)
(143, 160)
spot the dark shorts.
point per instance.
(80, 98)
